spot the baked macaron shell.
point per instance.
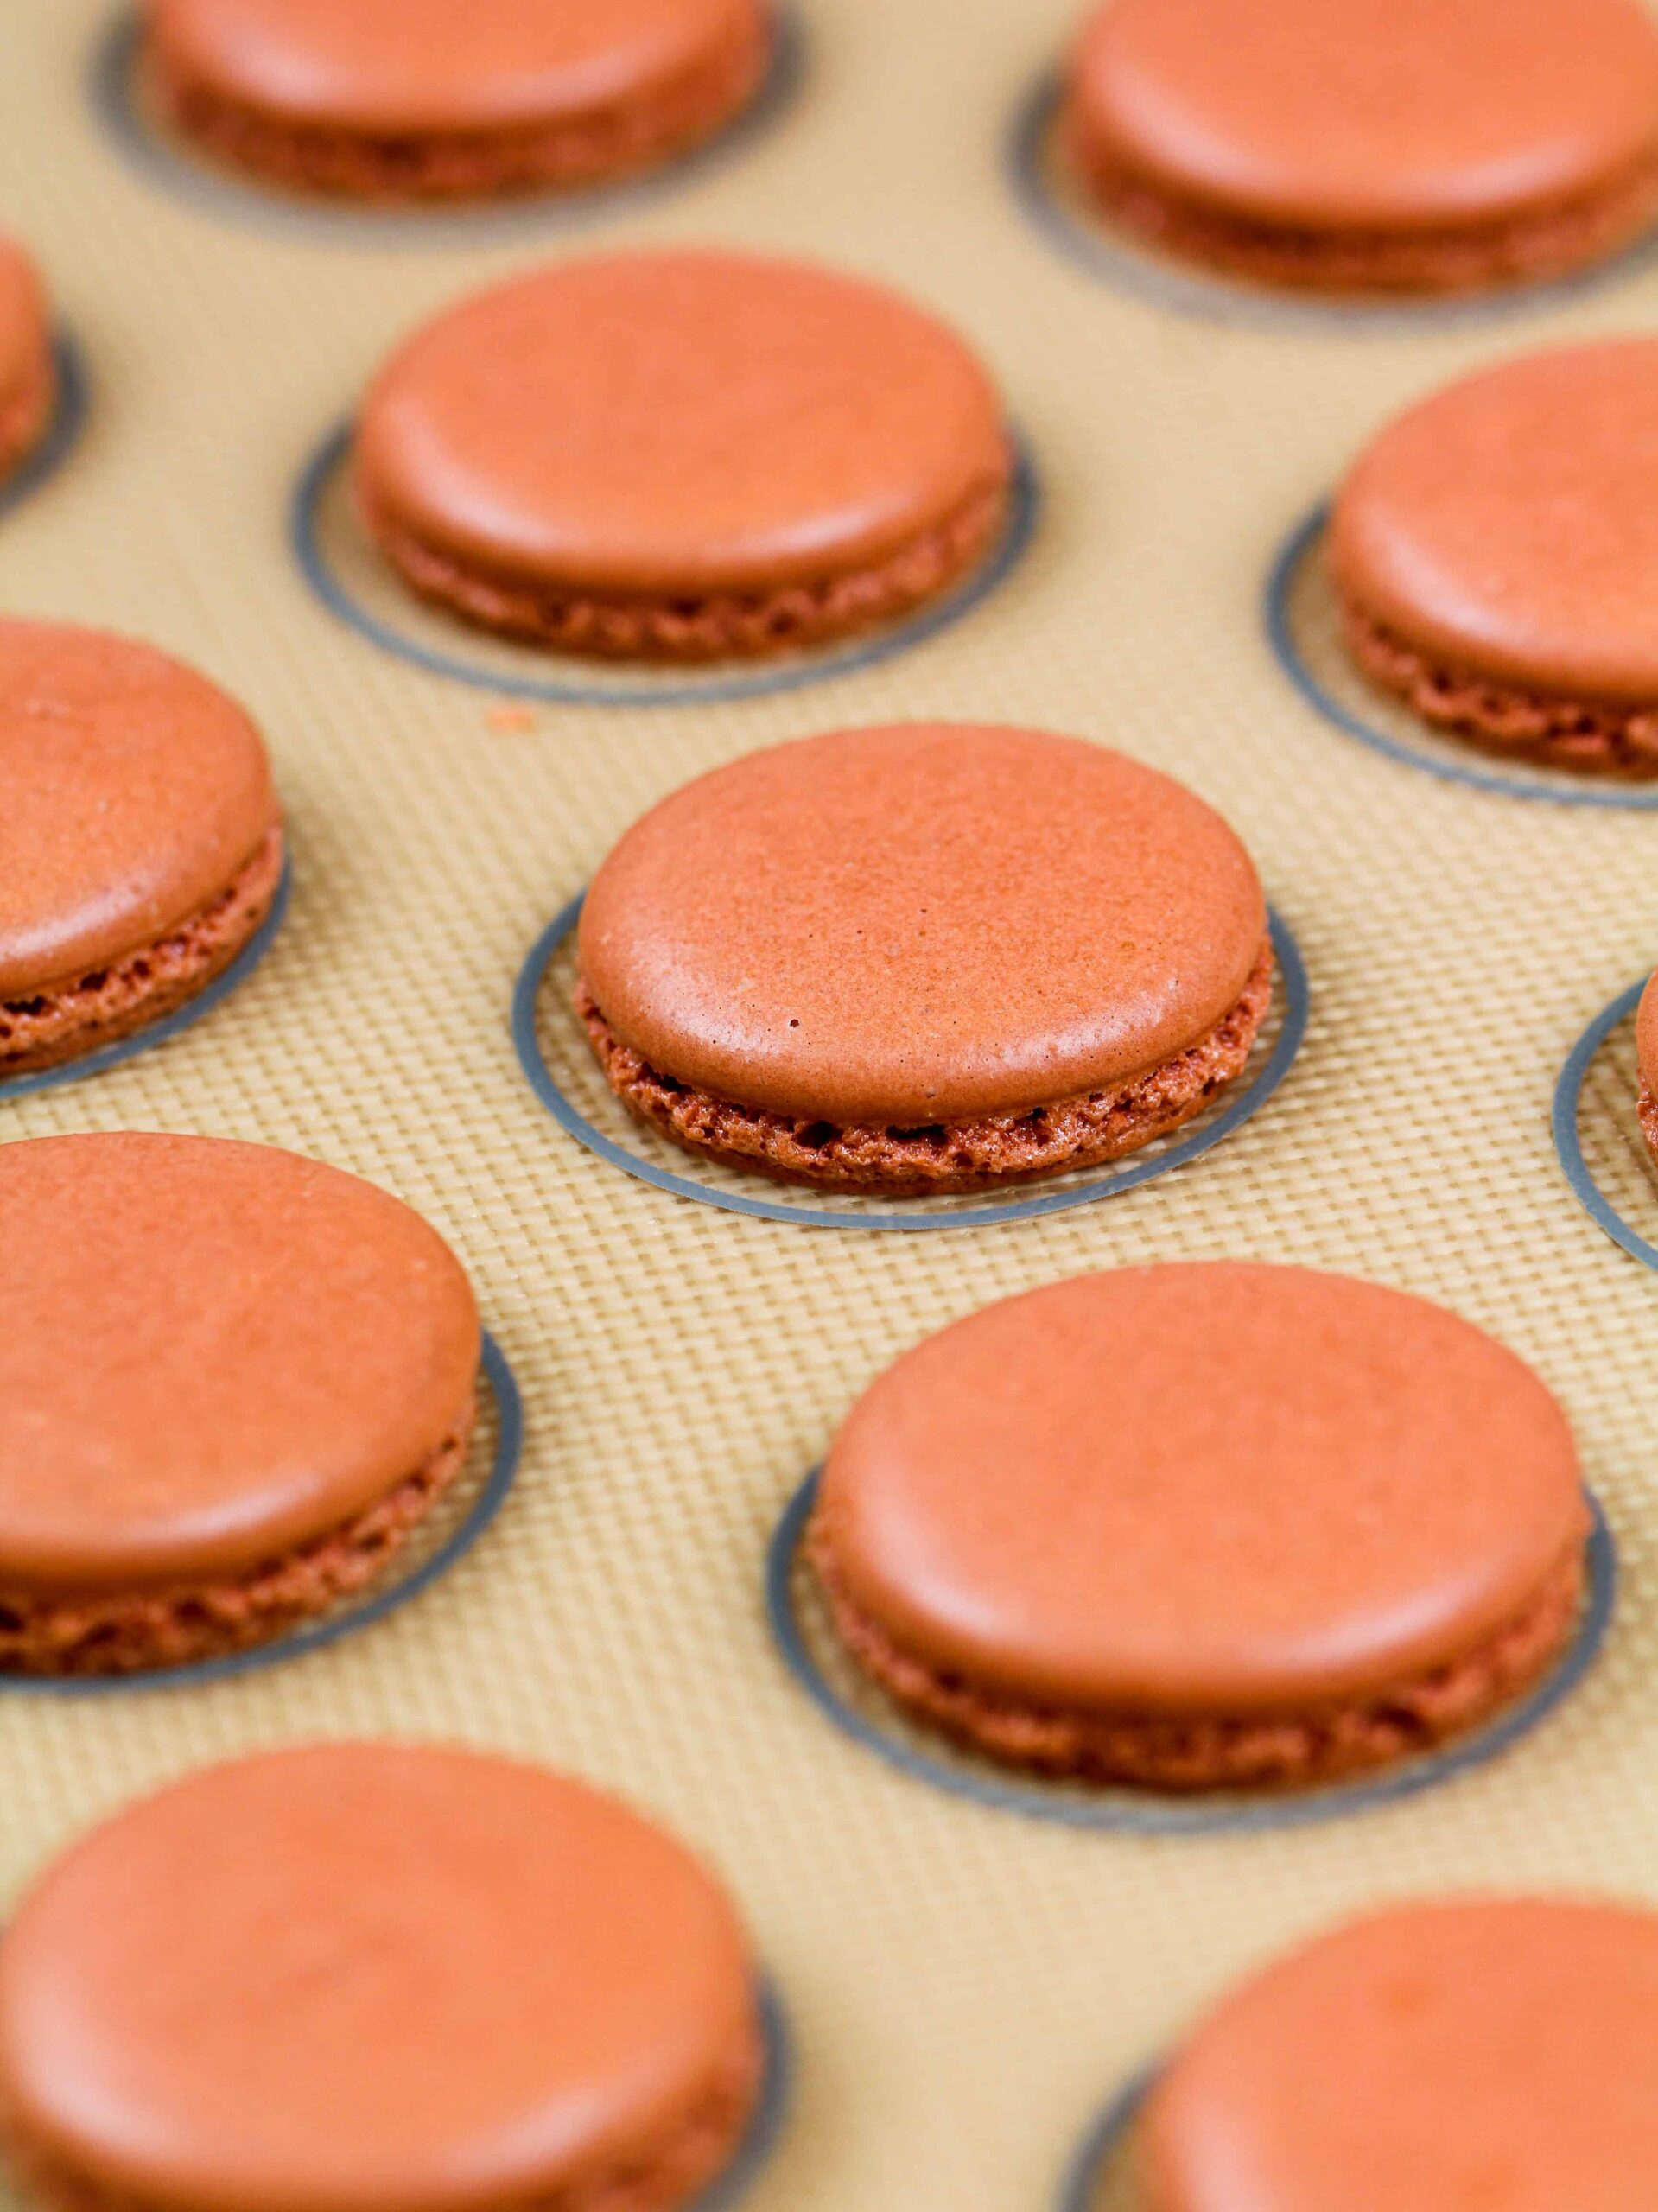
(131, 791)
(679, 422)
(366, 1978)
(1497, 2053)
(1505, 523)
(385, 66)
(25, 335)
(1390, 115)
(1203, 1488)
(1646, 1035)
(924, 923)
(275, 1345)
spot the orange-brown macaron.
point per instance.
(1646, 1053)
(28, 377)
(410, 99)
(283, 1362)
(1393, 146)
(1495, 553)
(930, 957)
(1488, 2054)
(365, 1977)
(1204, 1525)
(683, 456)
(140, 842)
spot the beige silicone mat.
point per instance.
(965, 1986)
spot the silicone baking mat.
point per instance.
(964, 1987)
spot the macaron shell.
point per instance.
(275, 1344)
(1393, 114)
(1209, 1488)
(1506, 523)
(683, 423)
(1491, 2054)
(365, 1978)
(25, 335)
(131, 791)
(1646, 1034)
(920, 924)
(380, 65)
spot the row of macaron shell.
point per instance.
(523, 483)
(1309, 145)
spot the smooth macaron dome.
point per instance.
(141, 845)
(1204, 1524)
(1391, 145)
(1497, 2051)
(28, 377)
(443, 99)
(286, 1361)
(1495, 555)
(363, 1977)
(682, 455)
(925, 958)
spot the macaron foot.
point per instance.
(1596, 738)
(1453, 260)
(690, 627)
(898, 1163)
(62, 1023)
(1195, 1752)
(130, 1632)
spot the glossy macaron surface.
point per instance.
(417, 66)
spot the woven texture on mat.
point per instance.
(965, 1986)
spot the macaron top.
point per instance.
(24, 330)
(927, 923)
(366, 1978)
(1646, 1034)
(275, 1345)
(131, 791)
(441, 64)
(1398, 115)
(1201, 1488)
(1480, 2053)
(679, 422)
(1506, 523)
